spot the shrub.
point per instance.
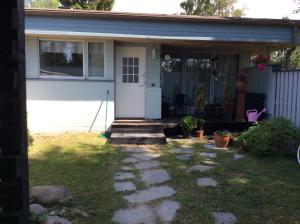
(189, 123)
(271, 137)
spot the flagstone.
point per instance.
(200, 168)
(150, 177)
(150, 194)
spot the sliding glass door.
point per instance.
(183, 72)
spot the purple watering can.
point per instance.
(253, 115)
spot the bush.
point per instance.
(189, 123)
(271, 137)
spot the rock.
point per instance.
(151, 177)
(141, 214)
(147, 165)
(150, 194)
(133, 150)
(184, 151)
(78, 212)
(184, 157)
(127, 168)
(124, 176)
(207, 182)
(200, 168)
(238, 156)
(37, 209)
(49, 195)
(166, 211)
(146, 156)
(124, 186)
(129, 160)
(211, 155)
(224, 218)
(56, 220)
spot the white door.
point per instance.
(130, 82)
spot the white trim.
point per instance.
(87, 59)
(136, 36)
(85, 67)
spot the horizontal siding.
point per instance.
(59, 106)
(155, 29)
(32, 57)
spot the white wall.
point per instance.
(58, 106)
(67, 105)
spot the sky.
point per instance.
(275, 9)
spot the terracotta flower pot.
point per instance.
(200, 134)
(221, 141)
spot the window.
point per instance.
(61, 58)
(130, 70)
(96, 59)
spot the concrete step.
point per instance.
(137, 138)
(137, 130)
(137, 127)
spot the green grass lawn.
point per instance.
(255, 190)
(85, 165)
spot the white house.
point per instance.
(134, 63)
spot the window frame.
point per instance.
(86, 54)
(85, 60)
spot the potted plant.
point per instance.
(200, 132)
(222, 138)
(260, 61)
(189, 123)
(200, 101)
(227, 104)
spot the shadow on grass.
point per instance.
(86, 169)
(256, 190)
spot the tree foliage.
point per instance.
(43, 3)
(89, 4)
(211, 8)
(286, 58)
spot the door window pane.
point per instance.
(61, 58)
(136, 78)
(96, 59)
(130, 69)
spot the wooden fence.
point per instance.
(282, 90)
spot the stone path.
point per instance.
(141, 209)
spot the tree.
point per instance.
(89, 4)
(44, 3)
(211, 8)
